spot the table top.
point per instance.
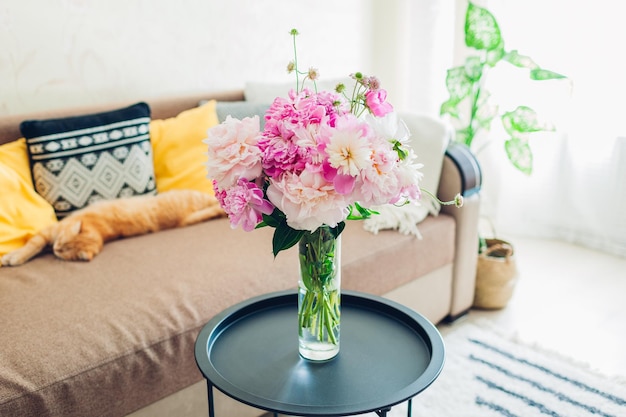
(388, 354)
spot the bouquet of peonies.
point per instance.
(323, 158)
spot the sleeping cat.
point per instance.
(81, 235)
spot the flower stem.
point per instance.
(294, 33)
(319, 300)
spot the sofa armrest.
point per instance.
(461, 174)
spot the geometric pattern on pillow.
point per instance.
(76, 161)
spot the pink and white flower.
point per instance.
(243, 203)
(233, 152)
(308, 200)
(375, 100)
(318, 155)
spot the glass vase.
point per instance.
(319, 296)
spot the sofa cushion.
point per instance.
(179, 154)
(118, 333)
(78, 160)
(241, 109)
(23, 212)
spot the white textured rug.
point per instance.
(487, 375)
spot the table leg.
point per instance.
(209, 388)
(383, 412)
(409, 411)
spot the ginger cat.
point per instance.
(81, 235)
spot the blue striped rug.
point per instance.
(487, 375)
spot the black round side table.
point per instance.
(388, 355)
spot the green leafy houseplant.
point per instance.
(469, 103)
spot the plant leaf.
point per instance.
(463, 136)
(449, 107)
(495, 55)
(539, 74)
(485, 110)
(523, 120)
(521, 61)
(285, 237)
(473, 68)
(520, 155)
(457, 83)
(336, 231)
(272, 220)
(481, 29)
(459, 87)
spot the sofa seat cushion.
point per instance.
(117, 333)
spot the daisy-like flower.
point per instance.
(348, 146)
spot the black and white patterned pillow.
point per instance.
(76, 161)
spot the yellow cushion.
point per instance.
(23, 212)
(178, 151)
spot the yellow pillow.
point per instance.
(178, 152)
(23, 212)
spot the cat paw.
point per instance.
(11, 259)
(86, 256)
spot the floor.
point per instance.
(567, 299)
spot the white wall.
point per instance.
(59, 53)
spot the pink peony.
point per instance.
(375, 100)
(308, 200)
(318, 156)
(243, 203)
(280, 155)
(233, 152)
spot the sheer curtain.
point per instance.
(577, 191)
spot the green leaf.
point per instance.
(520, 155)
(457, 83)
(285, 237)
(459, 87)
(539, 74)
(495, 55)
(450, 107)
(274, 219)
(397, 146)
(485, 111)
(521, 61)
(364, 213)
(464, 136)
(481, 29)
(523, 120)
(473, 68)
(336, 231)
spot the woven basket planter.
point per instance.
(496, 275)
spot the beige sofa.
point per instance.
(115, 336)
